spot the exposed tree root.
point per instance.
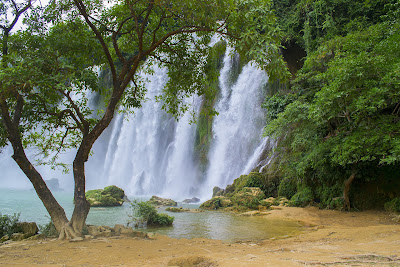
(67, 232)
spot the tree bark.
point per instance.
(54, 209)
(82, 206)
(346, 190)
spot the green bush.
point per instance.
(393, 205)
(144, 213)
(114, 191)
(9, 224)
(302, 198)
(287, 188)
(49, 230)
(248, 198)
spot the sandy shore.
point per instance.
(329, 238)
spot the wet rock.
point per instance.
(192, 200)
(175, 209)
(158, 201)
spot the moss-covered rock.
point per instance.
(158, 201)
(248, 197)
(218, 202)
(175, 209)
(110, 196)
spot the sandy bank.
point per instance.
(329, 238)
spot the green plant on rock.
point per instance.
(248, 197)
(145, 214)
(9, 224)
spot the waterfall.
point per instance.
(237, 130)
(149, 152)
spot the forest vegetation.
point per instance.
(337, 121)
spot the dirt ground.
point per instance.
(329, 238)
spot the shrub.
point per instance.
(287, 188)
(248, 197)
(49, 230)
(114, 191)
(302, 198)
(393, 205)
(9, 224)
(143, 213)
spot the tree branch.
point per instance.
(82, 9)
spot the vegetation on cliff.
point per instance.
(338, 121)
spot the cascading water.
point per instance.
(238, 128)
(151, 153)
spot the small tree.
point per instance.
(51, 69)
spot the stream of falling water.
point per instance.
(150, 153)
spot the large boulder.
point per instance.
(218, 202)
(158, 201)
(110, 196)
(28, 229)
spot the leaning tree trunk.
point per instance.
(346, 190)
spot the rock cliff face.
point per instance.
(110, 196)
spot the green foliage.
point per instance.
(49, 230)
(309, 23)
(9, 224)
(114, 191)
(344, 111)
(217, 202)
(145, 214)
(287, 188)
(302, 198)
(393, 205)
(248, 198)
(108, 197)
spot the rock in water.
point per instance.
(110, 196)
(192, 200)
(158, 201)
(53, 184)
